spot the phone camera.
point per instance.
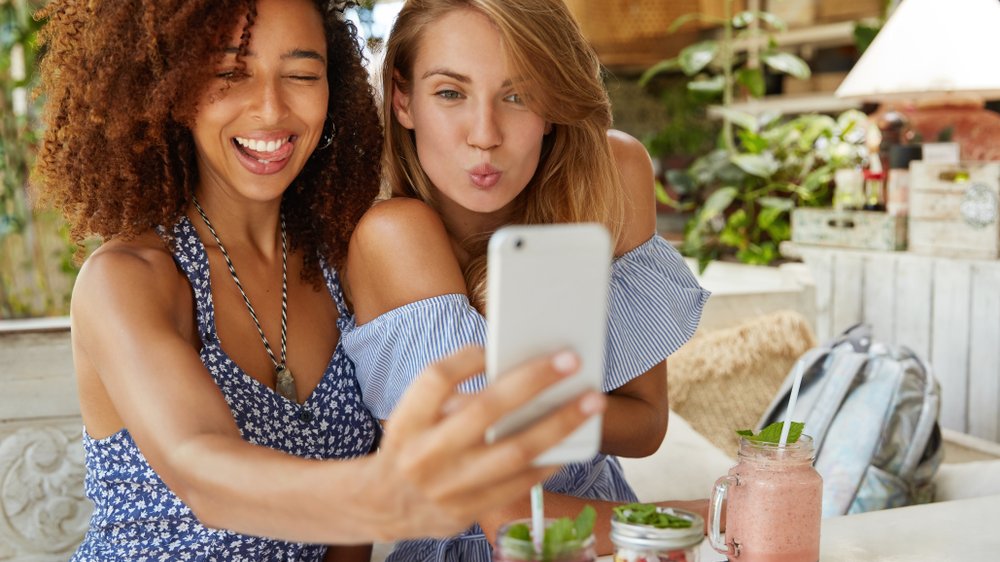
(518, 243)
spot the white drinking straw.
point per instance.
(799, 368)
(537, 518)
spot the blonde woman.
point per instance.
(495, 113)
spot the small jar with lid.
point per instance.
(645, 543)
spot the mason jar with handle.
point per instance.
(773, 502)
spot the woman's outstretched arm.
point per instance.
(433, 475)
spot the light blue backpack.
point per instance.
(872, 412)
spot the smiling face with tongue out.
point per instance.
(258, 123)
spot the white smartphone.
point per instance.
(547, 290)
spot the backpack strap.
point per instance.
(835, 366)
(811, 362)
(928, 415)
(842, 370)
(854, 434)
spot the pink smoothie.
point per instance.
(774, 513)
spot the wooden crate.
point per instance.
(635, 32)
(954, 209)
(840, 10)
(864, 230)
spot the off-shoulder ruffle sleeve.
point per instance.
(392, 349)
(654, 307)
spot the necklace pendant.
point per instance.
(285, 383)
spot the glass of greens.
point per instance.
(566, 540)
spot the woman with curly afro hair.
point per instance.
(223, 150)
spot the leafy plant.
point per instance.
(36, 265)
(718, 70)
(762, 166)
(746, 195)
(687, 133)
(689, 130)
(866, 30)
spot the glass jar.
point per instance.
(848, 192)
(645, 543)
(774, 503)
(508, 549)
(874, 187)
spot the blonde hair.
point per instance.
(576, 179)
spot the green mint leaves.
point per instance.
(649, 514)
(772, 433)
(561, 536)
(520, 532)
(584, 524)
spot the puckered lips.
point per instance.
(484, 176)
(266, 153)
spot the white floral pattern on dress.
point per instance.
(137, 518)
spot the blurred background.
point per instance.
(734, 100)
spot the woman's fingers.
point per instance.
(434, 453)
(509, 392)
(510, 458)
(421, 405)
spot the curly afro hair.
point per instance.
(122, 79)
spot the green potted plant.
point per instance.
(719, 71)
(746, 196)
(762, 165)
(687, 133)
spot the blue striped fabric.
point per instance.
(391, 350)
(655, 303)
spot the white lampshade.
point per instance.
(930, 48)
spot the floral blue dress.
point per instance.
(137, 518)
(654, 306)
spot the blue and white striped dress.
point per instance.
(654, 306)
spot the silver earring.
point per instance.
(329, 132)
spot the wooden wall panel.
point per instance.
(984, 354)
(945, 309)
(950, 341)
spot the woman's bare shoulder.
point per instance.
(400, 253)
(633, 163)
(398, 216)
(146, 254)
(638, 182)
(129, 275)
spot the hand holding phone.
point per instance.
(547, 290)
